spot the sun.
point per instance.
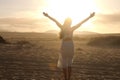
(76, 9)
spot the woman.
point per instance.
(67, 46)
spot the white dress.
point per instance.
(66, 51)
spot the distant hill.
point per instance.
(52, 31)
(76, 32)
(85, 32)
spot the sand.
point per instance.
(36, 59)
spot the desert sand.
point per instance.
(33, 56)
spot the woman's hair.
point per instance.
(67, 23)
(61, 34)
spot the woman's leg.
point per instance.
(69, 72)
(65, 73)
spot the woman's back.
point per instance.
(67, 34)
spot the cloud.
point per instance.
(103, 23)
(21, 8)
(107, 23)
(23, 24)
(108, 18)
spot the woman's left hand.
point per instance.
(92, 14)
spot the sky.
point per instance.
(26, 15)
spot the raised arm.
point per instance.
(51, 18)
(79, 24)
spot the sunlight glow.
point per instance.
(76, 9)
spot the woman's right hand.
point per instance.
(45, 14)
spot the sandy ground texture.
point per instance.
(36, 59)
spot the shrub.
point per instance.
(2, 40)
